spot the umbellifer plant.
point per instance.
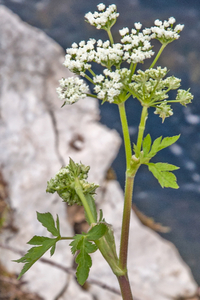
(121, 79)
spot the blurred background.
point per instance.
(63, 21)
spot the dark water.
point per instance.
(180, 209)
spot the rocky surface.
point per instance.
(36, 138)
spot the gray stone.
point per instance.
(37, 137)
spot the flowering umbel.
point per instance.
(117, 82)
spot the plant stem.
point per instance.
(89, 79)
(158, 55)
(126, 222)
(79, 191)
(126, 135)
(110, 36)
(125, 287)
(142, 127)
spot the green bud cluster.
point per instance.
(184, 97)
(64, 183)
(163, 110)
(150, 86)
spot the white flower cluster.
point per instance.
(72, 89)
(107, 55)
(103, 19)
(110, 87)
(165, 31)
(148, 87)
(136, 45)
(134, 48)
(77, 57)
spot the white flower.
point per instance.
(82, 43)
(123, 31)
(138, 25)
(101, 6)
(171, 20)
(178, 27)
(158, 22)
(98, 78)
(166, 24)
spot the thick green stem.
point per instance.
(125, 287)
(126, 222)
(142, 127)
(126, 135)
(158, 55)
(79, 191)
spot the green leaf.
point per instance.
(35, 253)
(161, 172)
(83, 258)
(160, 144)
(84, 244)
(146, 144)
(136, 150)
(53, 248)
(168, 141)
(75, 242)
(38, 240)
(58, 224)
(155, 147)
(96, 232)
(100, 215)
(47, 221)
